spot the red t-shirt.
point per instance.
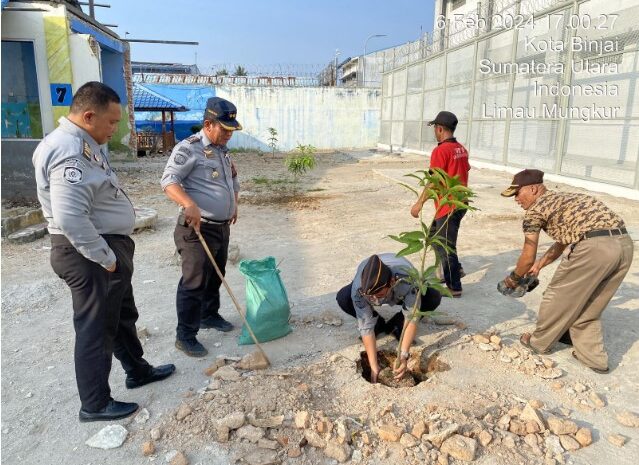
(452, 157)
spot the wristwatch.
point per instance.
(404, 355)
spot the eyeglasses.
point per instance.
(379, 297)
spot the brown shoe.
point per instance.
(596, 370)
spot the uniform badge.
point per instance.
(208, 153)
(72, 174)
(179, 159)
(215, 174)
(86, 150)
(97, 158)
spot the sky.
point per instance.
(264, 33)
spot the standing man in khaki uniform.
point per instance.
(589, 275)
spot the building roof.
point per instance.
(148, 100)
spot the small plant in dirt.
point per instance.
(272, 140)
(301, 161)
(437, 185)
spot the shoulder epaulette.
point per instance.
(194, 138)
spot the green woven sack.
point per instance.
(267, 307)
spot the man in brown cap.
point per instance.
(379, 280)
(600, 255)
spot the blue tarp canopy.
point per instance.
(145, 99)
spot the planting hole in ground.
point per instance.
(419, 368)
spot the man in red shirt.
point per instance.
(452, 157)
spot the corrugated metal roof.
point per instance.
(148, 100)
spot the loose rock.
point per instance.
(339, 452)
(294, 452)
(579, 387)
(518, 427)
(486, 347)
(460, 447)
(109, 437)
(559, 426)
(597, 400)
(485, 438)
(553, 445)
(148, 448)
(314, 439)
(156, 434)
(408, 440)
(271, 422)
(253, 361)
(250, 433)
(437, 438)
(584, 437)
(179, 459)
(419, 429)
(142, 416)
(227, 373)
(616, 440)
(233, 421)
(302, 419)
(184, 411)
(628, 418)
(531, 414)
(481, 339)
(262, 457)
(569, 443)
(389, 433)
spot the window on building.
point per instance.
(21, 117)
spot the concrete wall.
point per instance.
(326, 117)
(86, 65)
(18, 176)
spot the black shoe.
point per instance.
(114, 410)
(191, 347)
(156, 374)
(566, 339)
(216, 322)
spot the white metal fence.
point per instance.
(517, 114)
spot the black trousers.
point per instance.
(428, 303)
(449, 230)
(104, 316)
(198, 292)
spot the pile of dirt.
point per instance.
(312, 414)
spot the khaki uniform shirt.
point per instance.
(566, 216)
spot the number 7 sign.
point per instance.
(61, 95)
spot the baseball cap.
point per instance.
(375, 275)
(222, 111)
(445, 118)
(524, 178)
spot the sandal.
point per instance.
(596, 370)
(525, 341)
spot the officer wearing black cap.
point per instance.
(90, 219)
(201, 178)
(379, 280)
(452, 157)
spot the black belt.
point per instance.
(219, 223)
(605, 232)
